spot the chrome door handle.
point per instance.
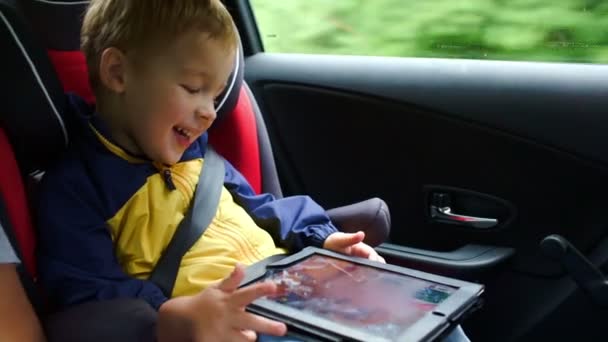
(445, 215)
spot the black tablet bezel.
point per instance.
(433, 324)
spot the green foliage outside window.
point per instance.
(527, 30)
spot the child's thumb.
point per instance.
(233, 281)
(348, 239)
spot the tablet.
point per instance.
(331, 296)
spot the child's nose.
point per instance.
(206, 111)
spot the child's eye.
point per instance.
(191, 90)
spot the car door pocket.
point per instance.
(467, 209)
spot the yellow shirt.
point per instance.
(143, 227)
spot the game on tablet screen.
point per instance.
(373, 301)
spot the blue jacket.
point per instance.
(105, 217)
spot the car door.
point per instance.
(481, 124)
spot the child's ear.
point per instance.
(112, 69)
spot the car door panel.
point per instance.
(529, 134)
(518, 97)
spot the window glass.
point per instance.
(530, 30)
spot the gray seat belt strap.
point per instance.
(192, 227)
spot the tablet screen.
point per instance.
(372, 300)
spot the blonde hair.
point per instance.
(137, 24)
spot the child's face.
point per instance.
(168, 98)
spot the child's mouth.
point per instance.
(183, 136)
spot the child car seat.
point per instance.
(239, 133)
(34, 133)
(34, 102)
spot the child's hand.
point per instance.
(218, 313)
(351, 244)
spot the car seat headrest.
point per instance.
(34, 112)
(57, 24)
(32, 95)
(227, 100)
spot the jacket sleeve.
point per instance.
(294, 222)
(76, 253)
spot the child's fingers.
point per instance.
(341, 241)
(352, 238)
(250, 335)
(362, 251)
(259, 324)
(374, 256)
(237, 335)
(379, 259)
(248, 294)
(231, 283)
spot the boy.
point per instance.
(111, 206)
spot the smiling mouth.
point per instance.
(184, 136)
(183, 132)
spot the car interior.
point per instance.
(494, 172)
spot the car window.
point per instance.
(529, 30)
